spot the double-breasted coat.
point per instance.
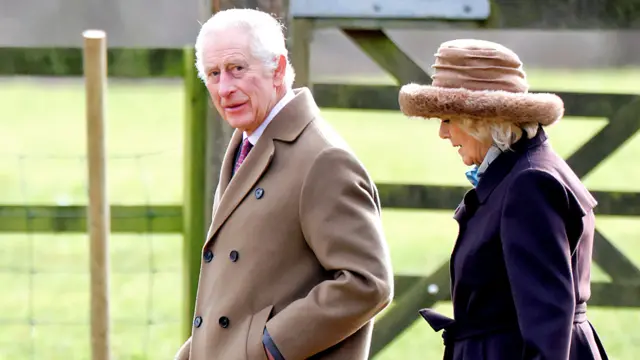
(295, 250)
(520, 268)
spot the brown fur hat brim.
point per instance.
(481, 105)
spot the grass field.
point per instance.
(44, 277)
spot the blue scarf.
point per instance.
(472, 175)
(475, 172)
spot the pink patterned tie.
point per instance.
(244, 151)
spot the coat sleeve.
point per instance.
(340, 219)
(538, 261)
(183, 352)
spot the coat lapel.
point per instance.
(286, 126)
(228, 161)
(237, 188)
(500, 167)
(225, 176)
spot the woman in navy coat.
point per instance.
(520, 267)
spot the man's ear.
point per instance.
(278, 74)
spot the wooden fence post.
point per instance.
(301, 37)
(95, 71)
(194, 194)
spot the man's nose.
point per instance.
(225, 85)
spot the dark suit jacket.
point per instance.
(520, 268)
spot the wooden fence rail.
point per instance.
(168, 218)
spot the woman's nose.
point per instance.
(443, 132)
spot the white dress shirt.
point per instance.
(253, 138)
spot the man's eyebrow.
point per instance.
(226, 63)
(235, 61)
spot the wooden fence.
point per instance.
(412, 291)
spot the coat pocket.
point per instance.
(255, 348)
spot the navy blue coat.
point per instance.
(520, 267)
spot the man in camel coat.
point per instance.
(295, 263)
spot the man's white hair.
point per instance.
(265, 31)
(502, 135)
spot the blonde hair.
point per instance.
(500, 134)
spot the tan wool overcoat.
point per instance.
(296, 244)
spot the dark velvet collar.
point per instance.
(499, 168)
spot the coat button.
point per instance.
(233, 255)
(224, 322)
(259, 193)
(197, 321)
(208, 255)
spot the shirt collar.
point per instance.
(492, 154)
(253, 138)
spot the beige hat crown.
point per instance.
(477, 65)
(479, 80)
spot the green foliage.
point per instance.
(68, 62)
(626, 13)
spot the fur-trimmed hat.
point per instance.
(482, 81)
